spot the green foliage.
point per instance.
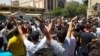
(56, 12)
(85, 2)
(71, 9)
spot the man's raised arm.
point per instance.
(70, 27)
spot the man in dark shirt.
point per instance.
(86, 37)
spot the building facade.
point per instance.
(32, 3)
(14, 3)
(52, 4)
(91, 10)
(46, 4)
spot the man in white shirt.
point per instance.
(6, 33)
(31, 48)
(64, 46)
(98, 32)
(33, 44)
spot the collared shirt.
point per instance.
(60, 49)
(31, 48)
(63, 49)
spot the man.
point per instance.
(63, 46)
(5, 33)
(94, 47)
(86, 37)
(2, 52)
(98, 31)
(45, 52)
(16, 45)
(33, 44)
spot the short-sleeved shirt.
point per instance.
(16, 46)
(64, 49)
(86, 38)
(31, 48)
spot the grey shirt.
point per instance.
(60, 49)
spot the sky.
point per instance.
(5, 1)
(8, 1)
(76, 0)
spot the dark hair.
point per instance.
(34, 36)
(44, 52)
(94, 48)
(87, 26)
(9, 26)
(81, 27)
(62, 33)
(1, 27)
(95, 52)
(29, 29)
(16, 32)
(61, 36)
(1, 42)
(94, 45)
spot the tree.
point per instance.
(56, 12)
(85, 2)
(71, 9)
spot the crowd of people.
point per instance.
(50, 37)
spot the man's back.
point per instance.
(16, 46)
(86, 38)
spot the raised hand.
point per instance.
(44, 29)
(69, 32)
(73, 19)
(49, 27)
(39, 19)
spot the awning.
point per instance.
(33, 14)
(5, 12)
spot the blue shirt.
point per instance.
(5, 53)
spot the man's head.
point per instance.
(94, 47)
(44, 52)
(34, 36)
(94, 44)
(61, 36)
(95, 52)
(94, 28)
(16, 32)
(9, 26)
(87, 27)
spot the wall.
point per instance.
(32, 3)
(90, 10)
